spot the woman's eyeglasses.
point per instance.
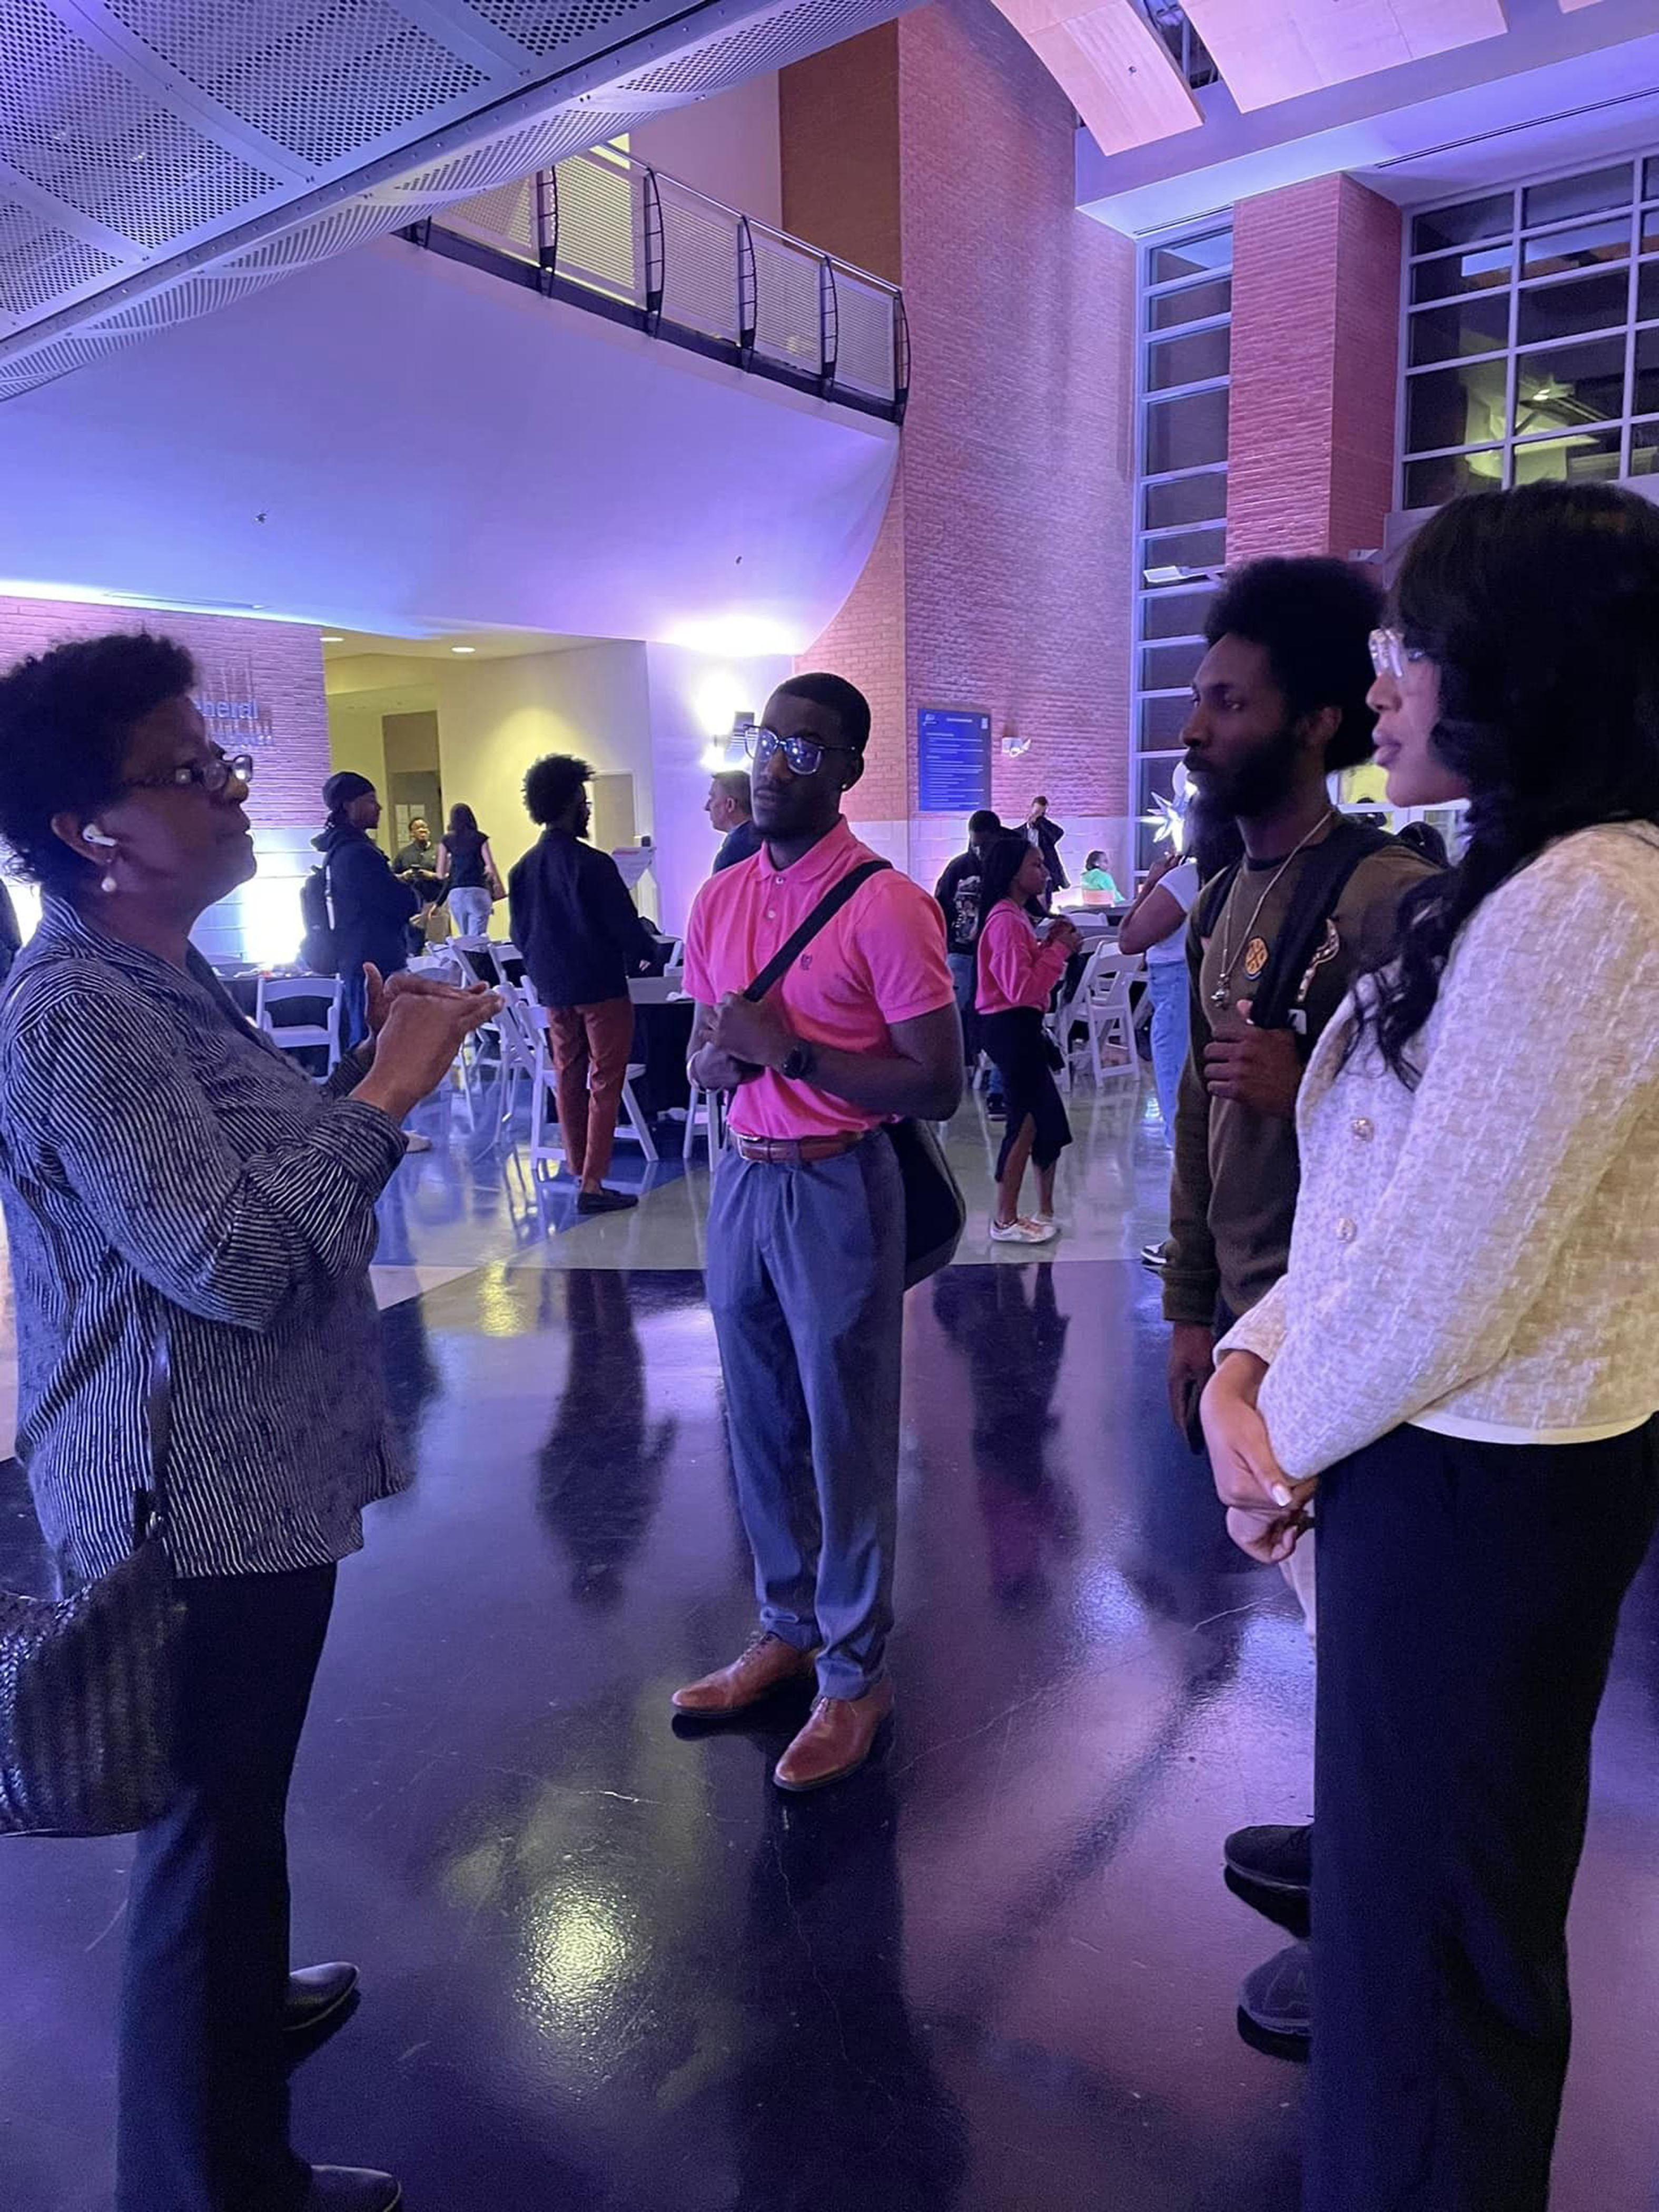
(1392, 656)
(804, 756)
(212, 775)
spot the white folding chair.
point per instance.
(1108, 1014)
(705, 1115)
(301, 1036)
(1066, 1016)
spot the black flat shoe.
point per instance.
(605, 1201)
(351, 2189)
(1276, 1859)
(315, 1996)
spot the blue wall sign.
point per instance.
(953, 759)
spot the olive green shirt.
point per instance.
(1232, 1197)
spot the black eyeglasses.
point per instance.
(212, 774)
(804, 755)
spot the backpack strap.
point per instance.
(1320, 885)
(827, 908)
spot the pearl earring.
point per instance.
(107, 885)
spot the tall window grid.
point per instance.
(1182, 352)
(1531, 345)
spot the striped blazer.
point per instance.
(164, 1167)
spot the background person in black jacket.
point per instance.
(958, 893)
(1046, 836)
(582, 939)
(370, 909)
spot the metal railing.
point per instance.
(1187, 50)
(611, 233)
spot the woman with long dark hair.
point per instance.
(1018, 973)
(467, 866)
(1463, 1358)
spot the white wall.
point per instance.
(726, 147)
(694, 698)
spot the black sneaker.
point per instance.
(605, 1201)
(1277, 1859)
(996, 1109)
(1156, 1255)
(1277, 1999)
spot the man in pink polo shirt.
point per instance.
(806, 1227)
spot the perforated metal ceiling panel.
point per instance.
(160, 157)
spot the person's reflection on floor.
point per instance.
(1008, 1327)
(601, 1469)
(836, 2104)
(411, 1373)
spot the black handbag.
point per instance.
(88, 1683)
(935, 1211)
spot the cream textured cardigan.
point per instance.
(1480, 1255)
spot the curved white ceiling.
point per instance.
(159, 158)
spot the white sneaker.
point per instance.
(1021, 1232)
(1047, 1221)
(417, 1143)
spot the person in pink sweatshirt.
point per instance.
(1018, 973)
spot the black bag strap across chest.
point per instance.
(825, 911)
(1314, 899)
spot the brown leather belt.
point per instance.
(796, 1151)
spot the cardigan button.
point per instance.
(1364, 1128)
(1347, 1230)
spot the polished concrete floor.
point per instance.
(611, 1970)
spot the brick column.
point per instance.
(1315, 345)
(1002, 575)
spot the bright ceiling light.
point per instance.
(332, 637)
(464, 648)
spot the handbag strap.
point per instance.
(826, 909)
(150, 1507)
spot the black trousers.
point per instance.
(1020, 1053)
(203, 2103)
(1468, 1594)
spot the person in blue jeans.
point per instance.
(957, 892)
(370, 908)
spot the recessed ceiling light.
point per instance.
(332, 637)
(464, 648)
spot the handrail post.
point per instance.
(901, 357)
(829, 326)
(655, 256)
(547, 227)
(747, 293)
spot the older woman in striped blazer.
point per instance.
(170, 1178)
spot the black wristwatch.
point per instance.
(799, 1063)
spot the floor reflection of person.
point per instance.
(1012, 1334)
(602, 1466)
(838, 2107)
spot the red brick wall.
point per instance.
(286, 662)
(1314, 351)
(1009, 538)
(838, 125)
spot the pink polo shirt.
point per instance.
(881, 960)
(1017, 968)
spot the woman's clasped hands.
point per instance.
(1267, 1513)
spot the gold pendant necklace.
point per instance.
(1221, 995)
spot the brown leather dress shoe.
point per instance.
(767, 1663)
(835, 1741)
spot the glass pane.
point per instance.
(1590, 456)
(1461, 406)
(1644, 397)
(1585, 195)
(1651, 182)
(1174, 614)
(1556, 311)
(1186, 361)
(1430, 483)
(1644, 449)
(1183, 549)
(1462, 272)
(1169, 667)
(1182, 432)
(1566, 387)
(1469, 219)
(1647, 291)
(1647, 230)
(1162, 721)
(1194, 257)
(1170, 309)
(1476, 325)
(1590, 246)
(1155, 779)
(1193, 499)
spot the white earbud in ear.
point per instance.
(94, 836)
